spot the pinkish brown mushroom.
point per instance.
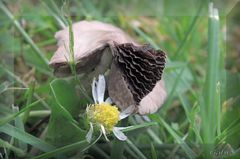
(135, 70)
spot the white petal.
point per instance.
(104, 132)
(127, 112)
(101, 88)
(94, 90)
(120, 135)
(108, 100)
(89, 134)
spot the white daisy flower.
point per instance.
(103, 115)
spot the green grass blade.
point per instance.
(209, 107)
(154, 136)
(218, 107)
(185, 147)
(16, 78)
(58, 19)
(91, 9)
(27, 138)
(231, 129)
(138, 120)
(117, 149)
(61, 150)
(19, 124)
(101, 152)
(12, 117)
(61, 12)
(130, 152)
(153, 152)
(58, 12)
(9, 146)
(81, 145)
(146, 37)
(29, 96)
(171, 94)
(4, 86)
(191, 119)
(24, 34)
(131, 128)
(137, 151)
(71, 49)
(191, 27)
(39, 113)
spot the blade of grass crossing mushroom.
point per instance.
(72, 60)
(71, 48)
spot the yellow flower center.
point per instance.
(104, 114)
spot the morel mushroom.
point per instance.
(135, 70)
